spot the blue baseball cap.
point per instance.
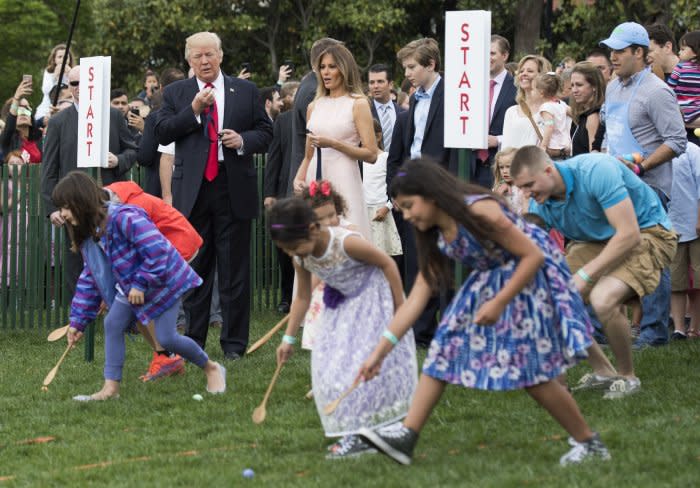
(625, 35)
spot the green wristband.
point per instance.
(584, 276)
(289, 339)
(388, 335)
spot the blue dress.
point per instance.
(543, 331)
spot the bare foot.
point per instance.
(216, 377)
(109, 390)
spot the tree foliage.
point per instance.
(141, 34)
(30, 29)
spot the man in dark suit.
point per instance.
(419, 134)
(383, 108)
(305, 95)
(276, 178)
(61, 157)
(502, 93)
(217, 124)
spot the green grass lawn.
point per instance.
(157, 435)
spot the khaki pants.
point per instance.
(641, 269)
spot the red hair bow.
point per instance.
(324, 187)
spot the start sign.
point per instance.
(467, 55)
(93, 111)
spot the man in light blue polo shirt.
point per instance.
(621, 237)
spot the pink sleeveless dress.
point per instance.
(332, 117)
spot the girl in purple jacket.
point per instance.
(132, 268)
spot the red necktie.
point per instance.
(211, 117)
(483, 154)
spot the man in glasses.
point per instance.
(61, 155)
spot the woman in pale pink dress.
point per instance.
(340, 128)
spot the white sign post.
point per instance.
(467, 53)
(93, 113)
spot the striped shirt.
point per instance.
(141, 258)
(685, 81)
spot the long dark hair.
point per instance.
(429, 180)
(290, 220)
(80, 194)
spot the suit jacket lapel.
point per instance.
(435, 103)
(230, 97)
(505, 92)
(410, 123)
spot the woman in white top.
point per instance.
(53, 68)
(518, 125)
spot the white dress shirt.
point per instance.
(220, 98)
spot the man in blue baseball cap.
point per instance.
(642, 116)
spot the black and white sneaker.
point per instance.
(584, 451)
(349, 446)
(396, 442)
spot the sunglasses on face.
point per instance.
(74, 83)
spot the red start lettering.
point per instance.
(91, 73)
(464, 50)
(465, 32)
(464, 102)
(90, 113)
(90, 87)
(89, 130)
(89, 147)
(464, 119)
(464, 81)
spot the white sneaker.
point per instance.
(622, 388)
(591, 381)
(585, 451)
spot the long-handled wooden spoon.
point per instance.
(268, 335)
(52, 374)
(260, 411)
(330, 408)
(56, 334)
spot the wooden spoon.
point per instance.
(56, 334)
(260, 412)
(268, 335)
(330, 408)
(52, 374)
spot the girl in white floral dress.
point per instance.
(362, 290)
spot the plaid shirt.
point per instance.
(141, 258)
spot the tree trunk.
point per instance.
(527, 26)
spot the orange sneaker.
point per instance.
(162, 366)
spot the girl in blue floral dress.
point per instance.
(515, 323)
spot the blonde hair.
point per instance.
(422, 50)
(498, 158)
(549, 83)
(543, 66)
(202, 39)
(344, 60)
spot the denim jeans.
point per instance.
(656, 309)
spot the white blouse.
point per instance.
(517, 130)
